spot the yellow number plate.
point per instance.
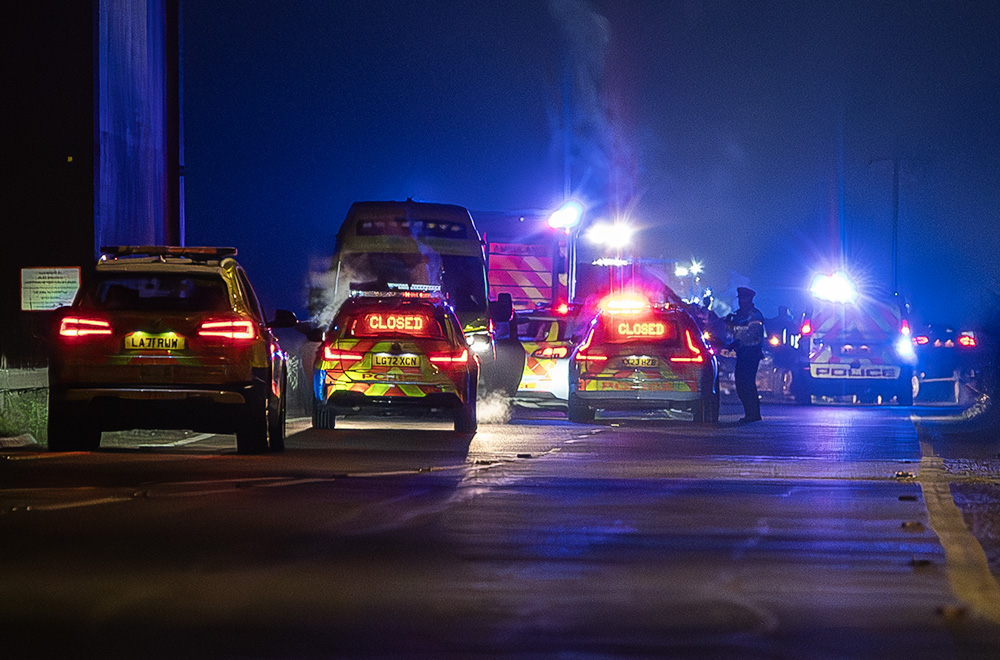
(383, 360)
(141, 341)
(641, 361)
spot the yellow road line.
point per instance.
(968, 570)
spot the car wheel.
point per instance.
(276, 417)
(323, 416)
(251, 434)
(904, 391)
(800, 388)
(69, 430)
(466, 420)
(707, 410)
(578, 411)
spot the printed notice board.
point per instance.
(48, 288)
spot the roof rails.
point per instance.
(196, 253)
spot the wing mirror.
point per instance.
(283, 319)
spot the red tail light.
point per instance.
(562, 309)
(228, 329)
(334, 353)
(695, 351)
(551, 352)
(76, 326)
(582, 354)
(806, 329)
(968, 341)
(920, 340)
(450, 358)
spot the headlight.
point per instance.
(904, 348)
(479, 342)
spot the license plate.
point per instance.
(383, 360)
(641, 361)
(142, 341)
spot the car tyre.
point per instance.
(707, 409)
(465, 418)
(800, 387)
(69, 430)
(252, 432)
(276, 419)
(904, 391)
(323, 416)
(578, 411)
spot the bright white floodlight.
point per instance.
(837, 288)
(566, 216)
(616, 235)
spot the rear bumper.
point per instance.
(115, 409)
(356, 403)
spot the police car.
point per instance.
(855, 346)
(396, 352)
(638, 356)
(547, 338)
(167, 337)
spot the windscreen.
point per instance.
(162, 292)
(616, 329)
(402, 226)
(462, 279)
(390, 323)
(543, 330)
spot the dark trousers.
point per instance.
(746, 382)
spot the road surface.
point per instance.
(821, 532)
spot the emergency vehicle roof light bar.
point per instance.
(194, 252)
(422, 295)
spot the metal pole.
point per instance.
(895, 226)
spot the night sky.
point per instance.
(756, 137)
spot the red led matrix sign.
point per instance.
(652, 329)
(411, 324)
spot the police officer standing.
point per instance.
(747, 325)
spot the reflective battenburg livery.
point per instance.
(395, 354)
(638, 356)
(547, 339)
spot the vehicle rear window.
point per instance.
(166, 292)
(637, 328)
(388, 323)
(543, 330)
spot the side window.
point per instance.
(251, 297)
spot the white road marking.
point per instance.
(180, 443)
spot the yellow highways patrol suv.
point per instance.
(638, 356)
(547, 337)
(399, 352)
(167, 337)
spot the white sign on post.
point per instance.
(48, 288)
